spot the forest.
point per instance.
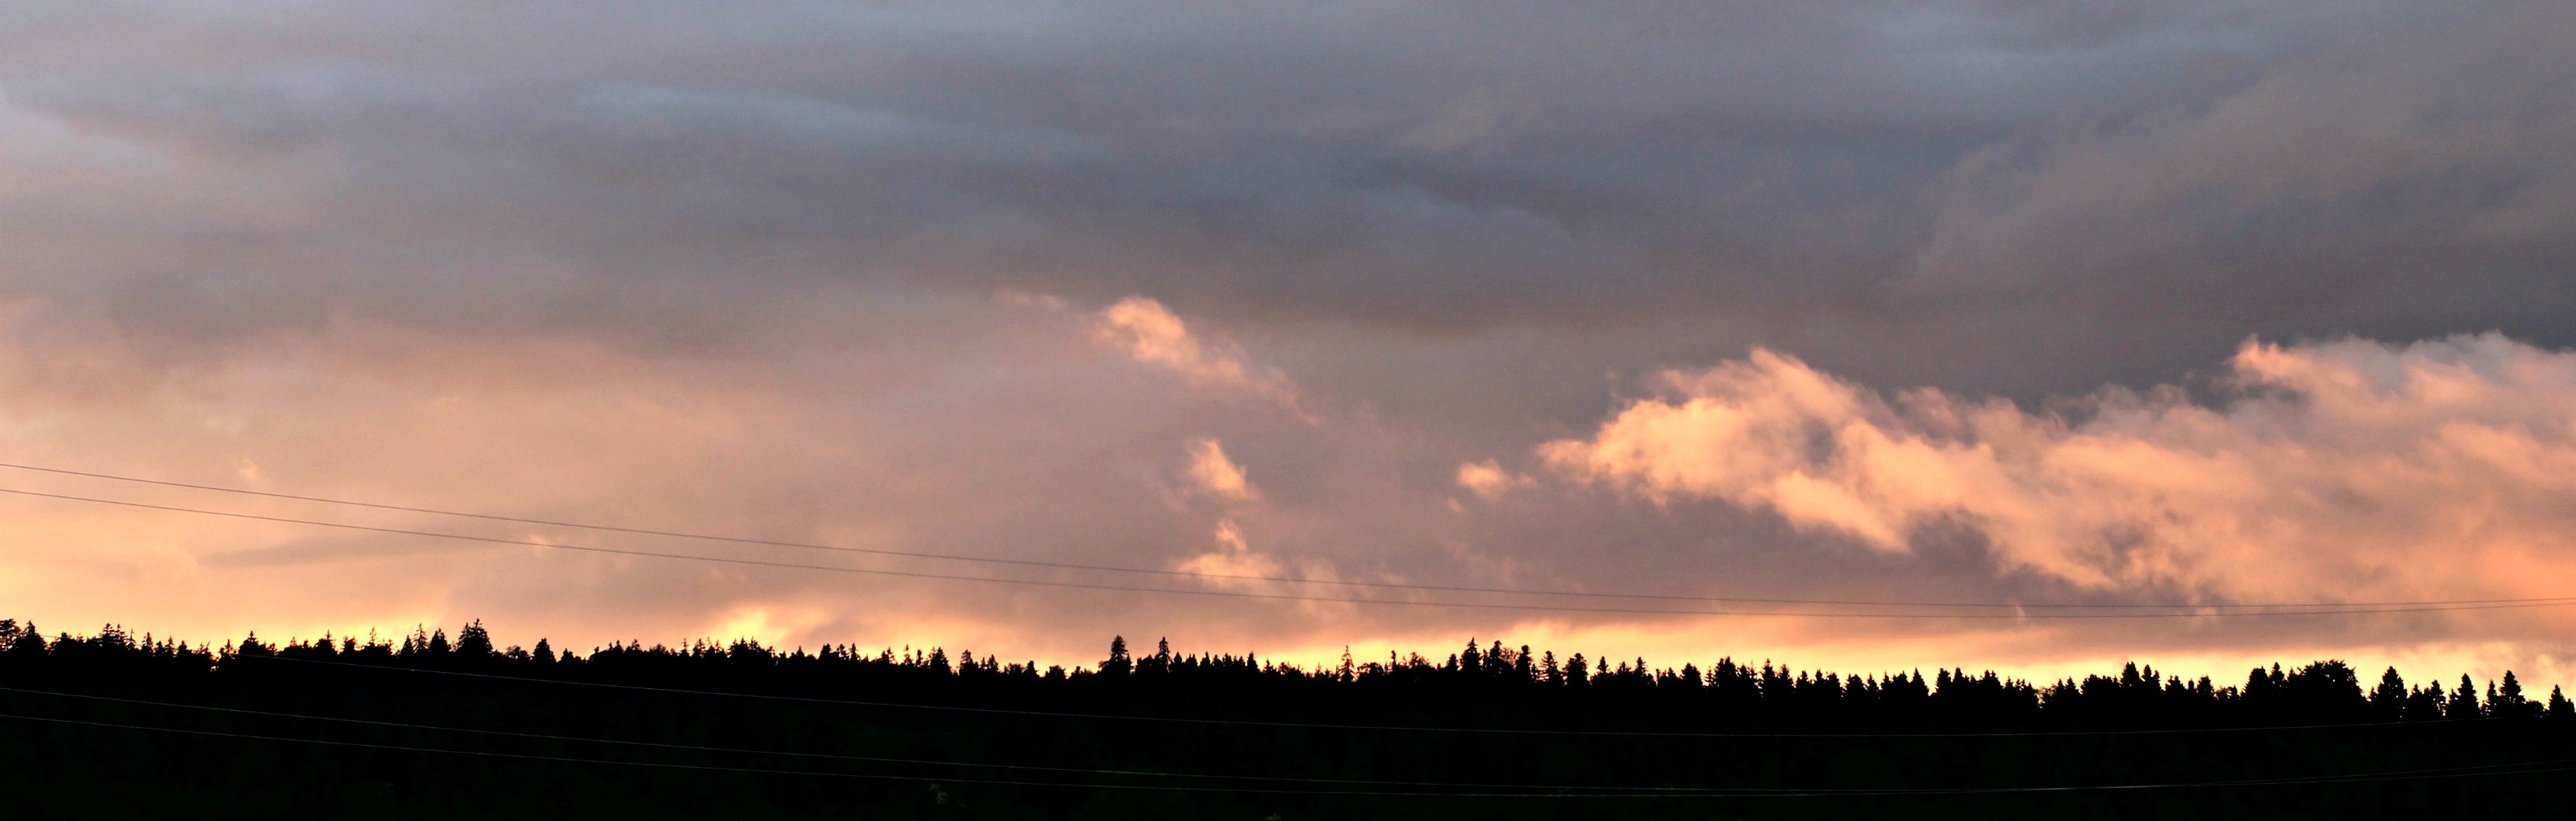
(429, 725)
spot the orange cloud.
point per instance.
(1217, 475)
(1488, 480)
(1150, 333)
(2337, 470)
(1233, 556)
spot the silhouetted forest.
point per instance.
(429, 725)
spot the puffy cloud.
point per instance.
(1488, 480)
(2341, 470)
(1235, 565)
(1217, 475)
(1150, 333)
(1233, 556)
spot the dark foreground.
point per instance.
(113, 727)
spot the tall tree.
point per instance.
(2388, 700)
(1118, 664)
(2464, 701)
(2508, 700)
(473, 643)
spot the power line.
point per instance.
(1255, 595)
(771, 771)
(1234, 576)
(1272, 596)
(835, 756)
(1304, 725)
(2510, 768)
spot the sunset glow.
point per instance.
(1853, 337)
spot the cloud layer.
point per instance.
(1305, 287)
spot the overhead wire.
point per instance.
(2508, 768)
(1270, 596)
(773, 771)
(2513, 604)
(801, 754)
(2533, 601)
(1309, 725)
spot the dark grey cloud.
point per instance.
(1425, 165)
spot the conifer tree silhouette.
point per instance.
(1118, 664)
(473, 643)
(2508, 700)
(2388, 700)
(2463, 702)
(1502, 688)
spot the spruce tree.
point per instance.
(2464, 701)
(2388, 700)
(1118, 664)
(2508, 700)
(473, 643)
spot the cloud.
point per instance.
(1217, 475)
(1902, 191)
(1233, 556)
(1488, 480)
(2397, 129)
(2340, 470)
(1234, 559)
(1148, 332)
(801, 271)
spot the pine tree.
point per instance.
(2559, 707)
(2389, 698)
(2508, 700)
(473, 643)
(2464, 701)
(2259, 687)
(1118, 664)
(2425, 704)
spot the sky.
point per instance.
(2036, 302)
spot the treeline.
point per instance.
(441, 724)
(1726, 692)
